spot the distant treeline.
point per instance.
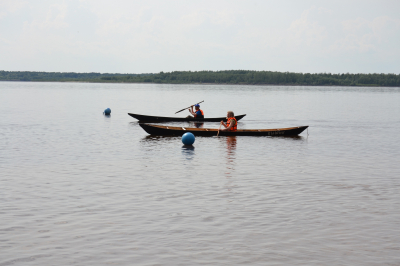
(218, 77)
(59, 76)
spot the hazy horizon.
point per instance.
(136, 37)
(222, 70)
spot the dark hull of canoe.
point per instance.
(179, 131)
(157, 119)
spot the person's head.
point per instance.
(197, 106)
(230, 114)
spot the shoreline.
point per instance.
(236, 84)
(218, 78)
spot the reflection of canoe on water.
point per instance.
(155, 119)
(167, 130)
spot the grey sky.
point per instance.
(128, 36)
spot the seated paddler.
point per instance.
(231, 123)
(197, 113)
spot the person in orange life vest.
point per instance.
(231, 123)
(196, 113)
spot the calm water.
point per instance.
(78, 188)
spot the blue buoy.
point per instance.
(188, 138)
(107, 111)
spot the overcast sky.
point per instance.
(127, 36)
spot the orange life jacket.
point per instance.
(233, 128)
(200, 116)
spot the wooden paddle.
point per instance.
(219, 129)
(188, 107)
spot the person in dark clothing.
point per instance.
(197, 113)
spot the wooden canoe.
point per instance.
(156, 119)
(179, 131)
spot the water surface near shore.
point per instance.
(80, 188)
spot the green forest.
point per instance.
(213, 77)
